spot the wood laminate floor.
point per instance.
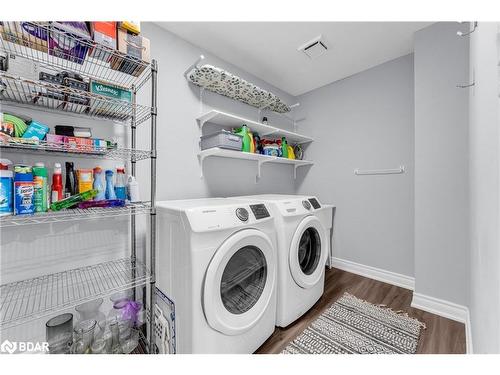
(441, 336)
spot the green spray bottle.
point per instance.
(243, 131)
(284, 147)
(41, 187)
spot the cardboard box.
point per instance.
(137, 48)
(69, 40)
(103, 34)
(113, 92)
(133, 26)
(29, 34)
(55, 141)
(105, 107)
(80, 144)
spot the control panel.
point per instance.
(306, 205)
(260, 211)
(315, 203)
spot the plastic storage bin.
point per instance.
(222, 139)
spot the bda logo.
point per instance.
(8, 347)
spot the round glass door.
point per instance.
(239, 286)
(309, 252)
(243, 280)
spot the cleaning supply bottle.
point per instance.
(284, 148)
(252, 144)
(133, 189)
(6, 184)
(110, 190)
(73, 200)
(41, 187)
(99, 185)
(243, 131)
(24, 190)
(291, 153)
(57, 187)
(70, 186)
(120, 183)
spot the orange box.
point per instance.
(103, 34)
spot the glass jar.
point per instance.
(84, 336)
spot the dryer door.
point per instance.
(308, 252)
(239, 282)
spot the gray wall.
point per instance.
(366, 121)
(441, 164)
(178, 133)
(485, 188)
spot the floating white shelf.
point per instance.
(228, 120)
(260, 159)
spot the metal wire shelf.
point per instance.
(136, 208)
(52, 47)
(31, 299)
(56, 149)
(66, 99)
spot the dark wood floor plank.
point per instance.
(442, 336)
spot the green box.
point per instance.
(110, 91)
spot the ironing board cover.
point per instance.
(224, 83)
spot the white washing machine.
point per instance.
(303, 228)
(216, 260)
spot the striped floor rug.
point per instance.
(353, 326)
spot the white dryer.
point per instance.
(217, 261)
(303, 230)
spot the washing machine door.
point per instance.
(239, 282)
(308, 252)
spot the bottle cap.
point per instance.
(4, 164)
(97, 169)
(120, 169)
(57, 168)
(39, 164)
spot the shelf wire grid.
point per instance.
(59, 98)
(47, 44)
(55, 148)
(31, 299)
(75, 214)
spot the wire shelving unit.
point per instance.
(25, 300)
(64, 149)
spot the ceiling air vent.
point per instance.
(314, 48)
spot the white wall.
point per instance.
(441, 164)
(485, 190)
(178, 133)
(366, 121)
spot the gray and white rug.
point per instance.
(353, 326)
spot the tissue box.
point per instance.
(29, 34)
(114, 92)
(103, 34)
(69, 40)
(56, 141)
(36, 131)
(136, 48)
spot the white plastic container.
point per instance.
(133, 189)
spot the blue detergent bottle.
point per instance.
(120, 183)
(110, 189)
(99, 185)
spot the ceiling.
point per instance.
(268, 50)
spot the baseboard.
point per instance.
(448, 310)
(468, 334)
(388, 277)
